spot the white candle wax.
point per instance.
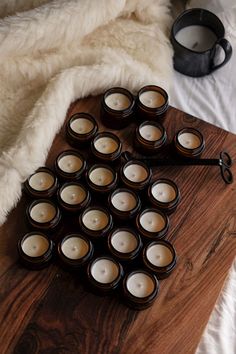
(152, 221)
(124, 241)
(35, 245)
(104, 271)
(95, 219)
(101, 176)
(70, 163)
(135, 173)
(124, 201)
(196, 37)
(189, 140)
(74, 247)
(73, 194)
(117, 101)
(82, 125)
(140, 285)
(43, 212)
(163, 192)
(152, 99)
(106, 145)
(150, 132)
(41, 181)
(159, 255)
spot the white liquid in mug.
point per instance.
(117, 101)
(70, 163)
(150, 132)
(43, 212)
(35, 245)
(140, 285)
(197, 38)
(124, 201)
(152, 99)
(135, 173)
(101, 176)
(159, 255)
(104, 271)
(152, 221)
(106, 145)
(124, 241)
(189, 140)
(163, 192)
(74, 247)
(82, 126)
(41, 181)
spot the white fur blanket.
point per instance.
(54, 52)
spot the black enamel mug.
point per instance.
(206, 31)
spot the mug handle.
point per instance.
(228, 52)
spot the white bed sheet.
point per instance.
(213, 99)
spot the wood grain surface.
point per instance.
(50, 311)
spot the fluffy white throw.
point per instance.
(54, 52)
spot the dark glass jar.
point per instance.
(164, 195)
(150, 137)
(73, 197)
(152, 224)
(160, 258)
(101, 178)
(35, 250)
(43, 214)
(140, 289)
(117, 108)
(189, 142)
(95, 222)
(124, 244)
(152, 103)
(106, 146)
(81, 129)
(41, 184)
(75, 251)
(135, 175)
(70, 165)
(104, 274)
(124, 203)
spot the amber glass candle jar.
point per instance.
(135, 175)
(70, 165)
(106, 146)
(150, 137)
(35, 250)
(152, 103)
(140, 289)
(73, 197)
(41, 184)
(160, 258)
(101, 178)
(117, 108)
(80, 129)
(124, 203)
(189, 142)
(152, 224)
(164, 194)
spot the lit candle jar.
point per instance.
(75, 251)
(124, 244)
(152, 103)
(106, 146)
(70, 165)
(189, 142)
(80, 129)
(43, 214)
(41, 184)
(117, 108)
(35, 250)
(124, 203)
(73, 197)
(140, 289)
(96, 222)
(164, 194)
(104, 274)
(152, 224)
(101, 178)
(150, 137)
(160, 258)
(135, 174)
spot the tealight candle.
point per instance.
(140, 289)
(35, 250)
(150, 132)
(189, 142)
(106, 146)
(72, 196)
(70, 165)
(160, 258)
(135, 174)
(150, 137)
(95, 221)
(124, 203)
(152, 103)
(152, 223)
(117, 108)
(41, 184)
(164, 194)
(43, 214)
(81, 129)
(104, 273)
(101, 178)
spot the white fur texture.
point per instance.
(63, 50)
